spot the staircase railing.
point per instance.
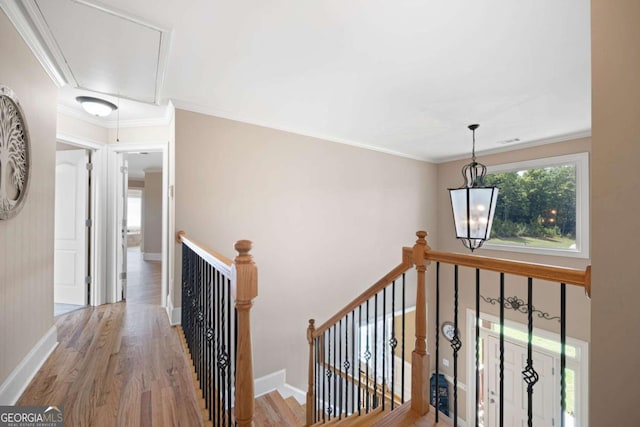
(352, 355)
(217, 295)
(345, 351)
(474, 267)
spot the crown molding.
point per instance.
(586, 133)
(78, 113)
(24, 17)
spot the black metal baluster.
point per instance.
(437, 394)
(345, 364)
(229, 350)
(221, 353)
(335, 371)
(214, 345)
(338, 368)
(404, 309)
(393, 342)
(529, 373)
(477, 345)
(384, 343)
(353, 361)
(326, 337)
(501, 349)
(456, 344)
(207, 317)
(367, 357)
(375, 352)
(360, 355)
(563, 354)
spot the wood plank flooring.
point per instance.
(119, 365)
(143, 278)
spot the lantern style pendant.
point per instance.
(473, 204)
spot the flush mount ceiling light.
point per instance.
(96, 106)
(473, 204)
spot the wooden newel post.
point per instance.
(311, 387)
(419, 357)
(246, 291)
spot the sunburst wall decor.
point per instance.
(15, 155)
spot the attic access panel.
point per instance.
(104, 51)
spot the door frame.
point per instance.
(581, 365)
(97, 233)
(113, 293)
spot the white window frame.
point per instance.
(581, 162)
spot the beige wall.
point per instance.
(152, 213)
(546, 295)
(615, 350)
(26, 241)
(80, 129)
(326, 219)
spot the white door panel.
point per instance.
(70, 259)
(515, 389)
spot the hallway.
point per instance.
(120, 364)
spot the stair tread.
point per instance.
(271, 410)
(297, 408)
(404, 416)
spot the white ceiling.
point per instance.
(405, 76)
(139, 163)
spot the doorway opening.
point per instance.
(144, 228)
(72, 231)
(141, 215)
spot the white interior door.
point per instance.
(515, 389)
(71, 206)
(123, 189)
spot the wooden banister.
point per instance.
(181, 235)
(246, 290)
(374, 289)
(419, 357)
(569, 276)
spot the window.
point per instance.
(134, 210)
(543, 206)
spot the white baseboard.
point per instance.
(150, 256)
(21, 376)
(173, 313)
(278, 381)
(269, 382)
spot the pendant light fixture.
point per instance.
(473, 204)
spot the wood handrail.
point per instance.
(569, 276)
(374, 289)
(183, 235)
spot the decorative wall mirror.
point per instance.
(15, 155)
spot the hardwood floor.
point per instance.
(119, 365)
(143, 278)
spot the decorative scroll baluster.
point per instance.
(367, 357)
(456, 344)
(393, 342)
(530, 375)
